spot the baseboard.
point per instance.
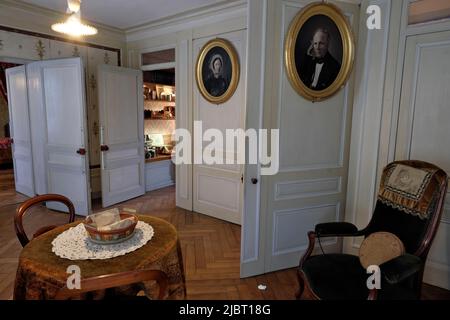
(437, 275)
(159, 186)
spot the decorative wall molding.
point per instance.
(307, 188)
(47, 36)
(278, 249)
(419, 48)
(428, 27)
(202, 176)
(190, 19)
(367, 116)
(303, 122)
(183, 172)
(287, 5)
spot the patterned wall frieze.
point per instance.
(92, 82)
(40, 49)
(95, 128)
(75, 52)
(34, 46)
(61, 39)
(106, 58)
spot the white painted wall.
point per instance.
(375, 78)
(382, 77)
(179, 32)
(265, 49)
(378, 77)
(314, 145)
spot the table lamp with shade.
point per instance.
(156, 139)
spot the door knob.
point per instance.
(81, 151)
(254, 180)
(104, 147)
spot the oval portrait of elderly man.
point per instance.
(319, 51)
(217, 71)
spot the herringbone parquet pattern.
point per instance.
(210, 247)
(211, 253)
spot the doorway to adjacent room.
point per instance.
(159, 117)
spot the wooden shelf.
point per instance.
(158, 158)
(159, 89)
(159, 119)
(159, 100)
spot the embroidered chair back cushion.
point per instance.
(407, 201)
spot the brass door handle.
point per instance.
(104, 147)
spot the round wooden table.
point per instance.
(41, 273)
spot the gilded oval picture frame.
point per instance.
(319, 51)
(217, 71)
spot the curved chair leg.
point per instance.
(301, 280)
(305, 292)
(301, 286)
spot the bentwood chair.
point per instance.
(409, 205)
(27, 205)
(109, 281)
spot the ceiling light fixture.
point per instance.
(73, 25)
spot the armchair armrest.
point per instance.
(400, 268)
(333, 229)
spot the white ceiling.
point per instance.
(124, 14)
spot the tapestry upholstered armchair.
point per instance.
(409, 205)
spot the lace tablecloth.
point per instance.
(74, 244)
(41, 273)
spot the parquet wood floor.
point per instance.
(210, 247)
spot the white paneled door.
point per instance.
(424, 131)
(65, 135)
(19, 120)
(218, 188)
(310, 187)
(121, 133)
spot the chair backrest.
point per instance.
(116, 280)
(410, 204)
(24, 207)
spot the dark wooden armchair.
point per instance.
(24, 207)
(410, 203)
(114, 281)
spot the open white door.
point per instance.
(19, 122)
(121, 107)
(218, 188)
(57, 97)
